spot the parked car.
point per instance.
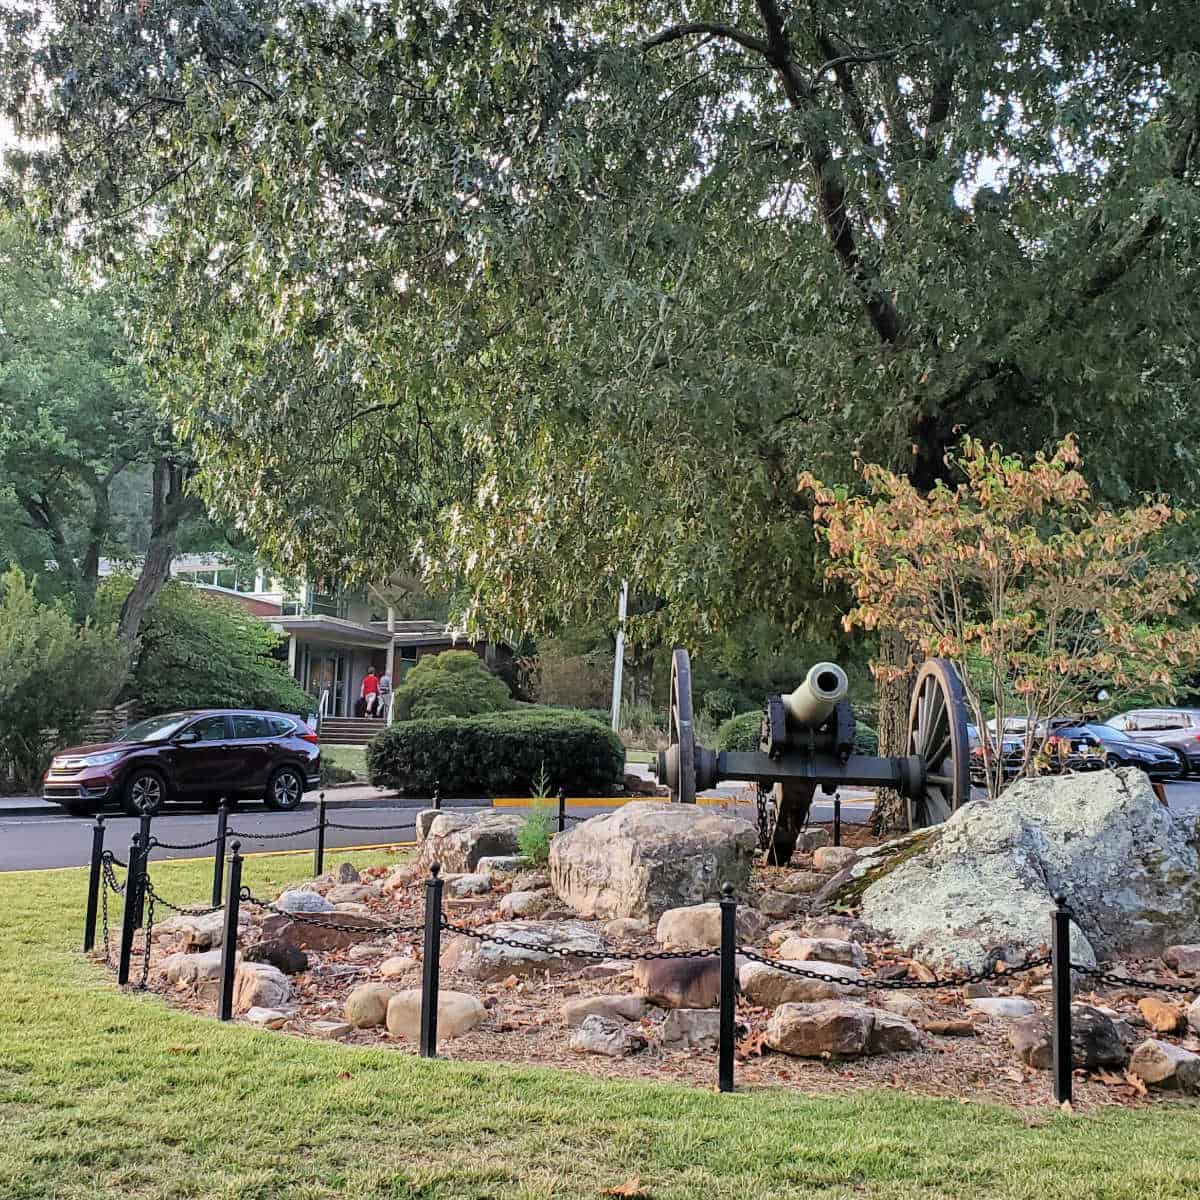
(1064, 744)
(1121, 750)
(198, 755)
(1178, 729)
(1012, 748)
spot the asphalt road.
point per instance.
(53, 838)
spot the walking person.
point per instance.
(385, 693)
(370, 692)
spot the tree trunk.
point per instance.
(891, 809)
(170, 506)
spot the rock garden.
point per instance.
(891, 927)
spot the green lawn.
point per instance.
(109, 1095)
(352, 758)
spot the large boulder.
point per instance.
(650, 856)
(326, 931)
(679, 982)
(458, 840)
(698, 927)
(766, 986)
(839, 1029)
(981, 886)
(481, 959)
(458, 1013)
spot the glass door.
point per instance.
(326, 672)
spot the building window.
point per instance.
(408, 652)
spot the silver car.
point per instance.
(1178, 729)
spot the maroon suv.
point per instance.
(199, 755)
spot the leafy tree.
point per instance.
(566, 293)
(202, 651)
(76, 420)
(1038, 594)
(454, 683)
(51, 671)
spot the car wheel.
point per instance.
(145, 792)
(1184, 770)
(286, 790)
(1112, 762)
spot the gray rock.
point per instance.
(303, 902)
(611, 1008)
(698, 927)
(841, 928)
(199, 972)
(469, 885)
(679, 982)
(458, 1013)
(335, 931)
(799, 883)
(349, 893)
(398, 965)
(835, 950)
(193, 933)
(269, 1018)
(981, 886)
(779, 905)
(892, 1034)
(614, 1039)
(423, 820)
(458, 840)
(692, 1028)
(260, 985)
(500, 864)
(1163, 1065)
(768, 987)
(650, 856)
(811, 840)
(905, 1005)
(1183, 960)
(1096, 1042)
(289, 959)
(346, 873)
(522, 904)
(620, 928)
(1193, 1016)
(328, 1030)
(531, 881)
(479, 959)
(1003, 1006)
(1030, 1038)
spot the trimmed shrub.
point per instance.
(740, 733)
(455, 683)
(496, 754)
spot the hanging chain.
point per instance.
(569, 952)
(148, 931)
(104, 919)
(1110, 977)
(768, 817)
(993, 972)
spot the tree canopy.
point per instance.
(547, 296)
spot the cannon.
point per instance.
(806, 742)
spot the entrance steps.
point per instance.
(350, 731)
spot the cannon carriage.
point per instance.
(806, 742)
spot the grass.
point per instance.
(351, 758)
(645, 757)
(105, 1095)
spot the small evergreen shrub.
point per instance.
(455, 683)
(740, 733)
(497, 754)
(533, 838)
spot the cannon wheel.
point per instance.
(937, 734)
(682, 732)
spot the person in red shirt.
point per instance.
(370, 691)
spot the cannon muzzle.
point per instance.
(811, 703)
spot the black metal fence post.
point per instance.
(129, 920)
(437, 795)
(144, 836)
(319, 849)
(562, 810)
(219, 851)
(229, 947)
(728, 988)
(837, 818)
(430, 962)
(1060, 978)
(94, 878)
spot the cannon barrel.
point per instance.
(811, 703)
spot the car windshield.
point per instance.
(154, 729)
(1108, 733)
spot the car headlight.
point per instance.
(100, 760)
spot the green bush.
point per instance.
(740, 733)
(53, 676)
(496, 754)
(533, 838)
(455, 683)
(197, 650)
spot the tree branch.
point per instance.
(709, 28)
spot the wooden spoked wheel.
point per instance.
(681, 752)
(937, 735)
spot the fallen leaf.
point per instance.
(754, 1044)
(1109, 1079)
(344, 1075)
(183, 1049)
(631, 1189)
(1136, 1082)
(1015, 1074)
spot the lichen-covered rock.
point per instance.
(650, 856)
(458, 840)
(698, 927)
(835, 950)
(500, 864)
(981, 886)
(799, 883)
(479, 959)
(614, 1039)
